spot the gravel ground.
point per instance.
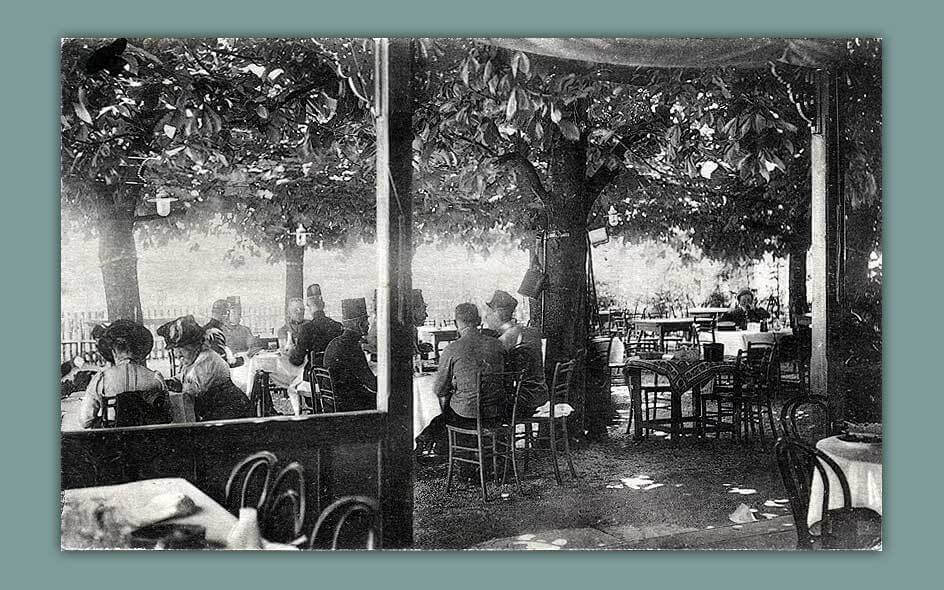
(652, 483)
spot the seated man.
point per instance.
(525, 341)
(289, 333)
(239, 338)
(355, 385)
(419, 317)
(456, 384)
(745, 310)
(315, 334)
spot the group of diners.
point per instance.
(207, 355)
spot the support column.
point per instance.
(827, 236)
(394, 108)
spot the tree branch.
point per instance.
(524, 166)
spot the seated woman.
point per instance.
(745, 311)
(125, 344)
(206, 378)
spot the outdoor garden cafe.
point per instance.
(233, 472)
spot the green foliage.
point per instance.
(259, 134)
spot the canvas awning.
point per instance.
(756, 52)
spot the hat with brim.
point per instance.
(181, 332)
(353, 309)
(126, 335)
(502, 299)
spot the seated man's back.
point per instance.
(459, 366)
(355, 385)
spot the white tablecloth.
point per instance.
(861, 463)
(282, 373)
(738, 340)
(425, 402)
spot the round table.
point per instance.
(861, 463)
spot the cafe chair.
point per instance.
(284, 512)
(352, 522)
(656, 396)
(758, 363)
(249, 482)
(493, 435)
(703, 326)
(551, 428)
(845, 527)
(721, 403)
(323, 399)
(816, 412)
(130, 409)
(260, 395)
(795, 351)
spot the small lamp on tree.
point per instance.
(163, 204)
(301, 236)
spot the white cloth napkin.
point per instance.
(560, 410)
(164, 506)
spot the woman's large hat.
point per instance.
(181, 332)
(127, 335)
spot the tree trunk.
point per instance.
(294, 274)
(118, 257)
(798, 296)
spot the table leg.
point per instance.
(676, 414)
(634, 379)
(661, 338)
(696, 411)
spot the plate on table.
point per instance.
(868, 433)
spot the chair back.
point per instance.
(313, 359)
(797, 461)
(704, 326)
(759, 362)
(561, 384)
(364, 530)
(173, 360)
(322, 390)
(497, 393)
(249, 482)
(130, 409)
(634, 347)
(285, 507)
(792, 412)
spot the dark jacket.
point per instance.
(355, 385)
(314, 336)
(740, 317)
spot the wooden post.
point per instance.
(394, 112)
(827, 236)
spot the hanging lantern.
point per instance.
(613, 216)
(301, 236)
(163, 204)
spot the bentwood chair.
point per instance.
(284, 512)
(352, 522)
(840, 528)
(130, 409)
(657, 395)
(260, 395)
(812, 414)
(550, 428)
(249, 482)
(493, 435)
(721, 402)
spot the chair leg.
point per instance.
(570, 461)
(514, 463)
(527, 446)
(553, 443)
(449, 469)
(481, 464)
(495, 457)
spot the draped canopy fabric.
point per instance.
(682, 53)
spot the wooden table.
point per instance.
(683, 375)
(707, 312)
(662, 326)
(435, 336)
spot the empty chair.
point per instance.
(249, 482)
(721, 403)
(703, 326)
(840, 528)
(322, 392)
(657, 395)
(353, 522)
(758, 363)
(805, 417)
(284, 512)
(492, 438)
(551, 426)
(260, 395)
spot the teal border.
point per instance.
(29, 242)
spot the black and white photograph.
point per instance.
(478, 293)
